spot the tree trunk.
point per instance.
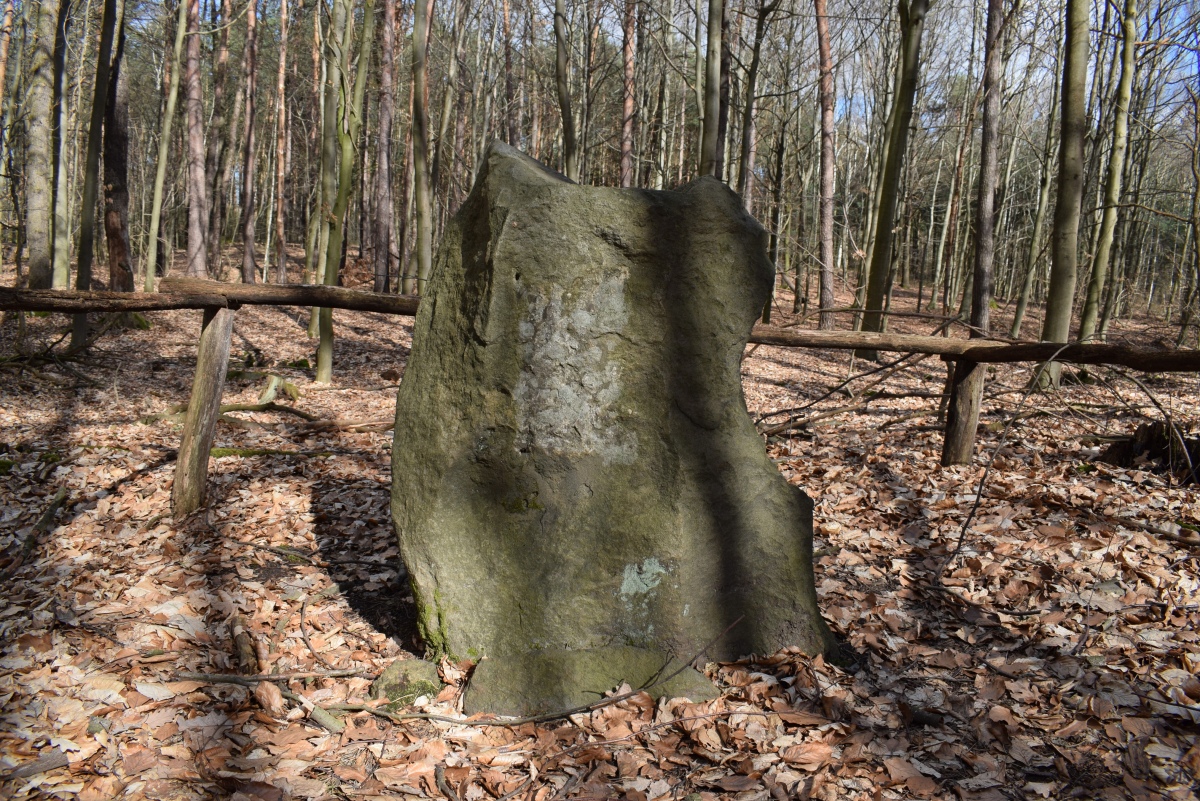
(420, 127)
(712, 90)
(281, 142)
(1064, 245)
(966, 394)
(164, 145)
(912, 24)
(512, 123)
(249, 262)
(746, 158)
(63, 189)
(384, 201)
(349, 125)
(1116, 170)
(116, 175)
(628, 88)
(562, 81)
(40, 153)
(828, 167)
(197, 249)
(1039, 215)
(91, 175)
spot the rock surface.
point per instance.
(573, 465)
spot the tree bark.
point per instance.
(1043, 202)
(420, 129)
(249, 261)
(1116, 171)
(828, 167)
(384, 200)
(912, 24)
(1064, 245)
(116, 175)
(164, 145)
(745, 186)
(40, 153)
(91, 176)
(562, 82)
(281, 141)
(200, 423)
(628, 89)
(712, 90)
(349, 126)
(966, 393)
(197, 249)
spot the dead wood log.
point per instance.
(71, 302)
(330, 297)
(199, 428)
(1148, 360)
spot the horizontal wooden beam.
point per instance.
(329, 297)
(986, 351)
(71, 302)
(194, 293)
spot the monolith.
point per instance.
(578, 489)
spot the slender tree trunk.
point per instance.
(1043, 203)
(966, 394)
(91, 179)
(384, 205)
(1064, 247)
(746, 157)
(627, 106)
(828, 167)
(513, 129)
(64, 126)
(562, 80)
(197, 255)
(1116, 170)
(116, 174)
(281, 141)
(348, 127)
(420, 127)
(912, 24)
(723, 98)
(712, 90)
(220, 131)
(448, 99)
(164, 145)
(40, 152)
(249, 262)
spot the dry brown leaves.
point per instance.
(1056, 659)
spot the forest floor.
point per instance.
(1056, 657)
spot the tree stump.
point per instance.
(578, 488)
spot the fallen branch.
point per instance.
(40, 527)
(178, 410)
(233, 678)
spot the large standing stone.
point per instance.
(574, 468)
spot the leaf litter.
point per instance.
(1055, 655)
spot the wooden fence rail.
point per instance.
(219, 300)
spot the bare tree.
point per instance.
(912, 24)
(249, 262)
(1116, 171)
(968, 379)
(197, 249)
(1064, 239)
(828, 167)
(562, 83)
(116, 173)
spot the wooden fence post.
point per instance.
(200, 425)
